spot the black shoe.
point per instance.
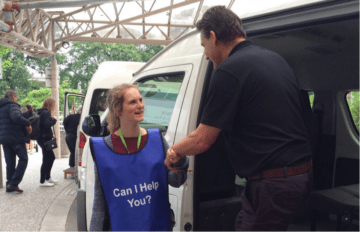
(11, 188)
(8, 190)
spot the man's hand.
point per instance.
(172, 158)
(53, 117)
(29, 129)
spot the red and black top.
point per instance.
(131, 143)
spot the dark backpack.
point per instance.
(35, 124)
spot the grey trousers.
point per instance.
(270, 204)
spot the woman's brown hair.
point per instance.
(114, 101)
(30, 109)
(49, 104)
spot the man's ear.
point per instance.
(213, 37)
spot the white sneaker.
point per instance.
(52, 181)
(46, 184)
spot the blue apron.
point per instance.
(135, 185)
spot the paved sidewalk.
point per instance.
(37, 208)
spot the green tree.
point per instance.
(354, 107)
(37, 97)
(40, 64)
(16, 76)
(86, 58)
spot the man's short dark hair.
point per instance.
(10, 94)
(225, 23)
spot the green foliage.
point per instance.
(85, 59)
(37, 97)
(90, 55)
(15, 75)
(354, 107)
(311, 98)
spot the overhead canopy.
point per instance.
(40, 32)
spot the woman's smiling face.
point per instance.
(133, 106)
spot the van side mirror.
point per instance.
(91, 125)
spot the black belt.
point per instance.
(282, 172)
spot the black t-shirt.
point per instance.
(254, 99)
(71, 123)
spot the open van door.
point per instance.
(72, 102)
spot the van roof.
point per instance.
(110, 73)
(187, 45)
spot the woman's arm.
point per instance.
(65, 123)
(99, 206)
(178, 179)
(48, 121)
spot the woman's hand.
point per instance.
(29, 129)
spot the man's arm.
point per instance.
(16, 116)
(198, 141)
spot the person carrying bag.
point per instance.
(51, 144)
(47, 142)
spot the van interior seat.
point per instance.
(342, 201)
(351, 189)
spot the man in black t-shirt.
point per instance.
(254, 102)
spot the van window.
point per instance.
(98, 101)
(352, 99)
(159, 94)
(311, 97)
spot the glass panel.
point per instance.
(353, 103)
(160, 94)
(98, 101)
(74, 102)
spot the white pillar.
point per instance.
(55, 95)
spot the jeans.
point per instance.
(48, 160)
(271, 204)
(15, 174)
(71, 143)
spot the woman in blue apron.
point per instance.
(131, 179)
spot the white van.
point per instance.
(321, 44)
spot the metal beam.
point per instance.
(130, 19)
(120, 40)
(133, 24)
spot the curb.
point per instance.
(57, 214)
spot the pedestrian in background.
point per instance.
(27, 114)
(71, 123)
(14, 133)
(47, 120)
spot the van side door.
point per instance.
(163, 91)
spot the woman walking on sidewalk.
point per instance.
(46, 122)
